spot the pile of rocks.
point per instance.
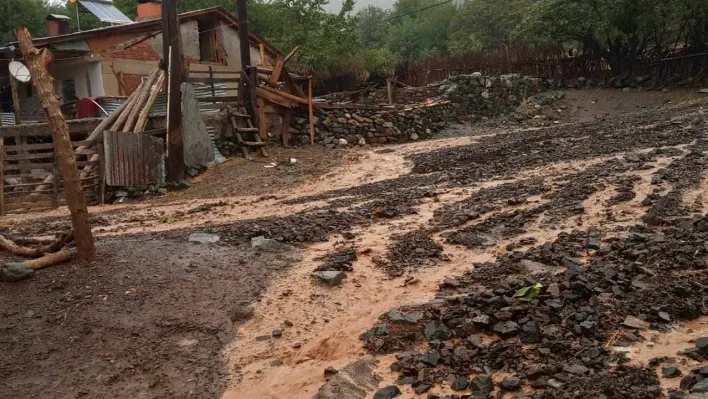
(375, 125)
(548, 321)
(490, 95)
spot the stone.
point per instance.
(431, 358)
(554, 289)
(407, 317)
(670, 372)
(276, 362)
(121, 194)
(330, 277)
(665, 317)
(700, 387)
(414, 136)
(388, 392)
(436, 330)
(482, 385)
(554, 383)
(483, 320)
(362, 141)
(342, 142)
(204, 238)
(702, 345)
(633, 322)
(530, 333)
(422, 388)
(506, 329)
(460, 384)
(15, 271)
(577, 369)
(510, 383)
(268, 245)
(198, 147)
(277, 333)
(330, 371)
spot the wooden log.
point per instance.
(310, 111)
(15, 101)
(9, 246)
(37, 61)
(285, 94)
(49, 259)
(142, 98)
(154, 92)
(120, 121)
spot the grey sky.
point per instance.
(335, 5)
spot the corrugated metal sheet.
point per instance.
(204, 90)
(105, 11)
(7, 118)
(133, 159)
(218, 156)
(159, 108)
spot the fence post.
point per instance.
(2, 176)
(101, 170)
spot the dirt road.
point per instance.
(161, 317)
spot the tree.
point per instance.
(418, 33)
(27, 13)
(372, 27)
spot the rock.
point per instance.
(330, 371)
(348, 235)
(665, 317)
(330, 277)
(510, 383)
(388, 392)
(15, 271)
(268, 245)
(700, 387)
(204, 238)
(530, 333)
(407, 317)
(276, 362)
(482, 385)
(277, 333)
(483, 320)
(670, 372)
(460, 384)
(422, 388)
(342, 142)
(430, 358)
(362, 141)
(435, 330)
(554, 289)
(702, 345)
(414, 136)
(554, 383)
(577, 369)
(506, 329)
(633, 322)
(121, 194)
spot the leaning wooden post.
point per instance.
(37, 61)
(310, 110)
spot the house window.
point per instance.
(207, 41)
(68, 90)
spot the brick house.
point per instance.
(111, 61)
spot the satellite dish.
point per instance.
(20, 71)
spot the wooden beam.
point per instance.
(142, 98)
(279, 64)
(172, 47)
(291, 54)
(285, 128)
(37, 61)
(262, 121)
(286, 95)
(274, 98)
(310, 111)
(154, 92)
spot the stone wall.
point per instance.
(458, 98)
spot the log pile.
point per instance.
(42, 254)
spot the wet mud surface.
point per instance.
(606, 216)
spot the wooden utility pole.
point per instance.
(37, 61)
(174, 69)
(245, 90)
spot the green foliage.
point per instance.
(421, 34)
(27, 13)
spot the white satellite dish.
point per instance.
(20, 71)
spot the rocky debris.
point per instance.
(388, 392)
(330, 371)
(329, 277)
(412, 250)
(340, 260)
(204, 238)
(565, 329)
(268, 245)
(510, 383)
(670, 372)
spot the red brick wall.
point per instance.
(142, 51)
(131, 82)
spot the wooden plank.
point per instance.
(291, 85)
(206, 72)
(24, 157)
(285, 128)
(291, 54)
(47, 146)
(212, 99)
(224, 105)
(310, 111)
(286, 95)
(262, 121)
(76, 126)
(214, 80)
(247, 129)
(279, 64)
(44, 165)
(274, 98)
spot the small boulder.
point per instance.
(330, 277)
(388, 392)
(510, 383)
(670, 372)
(15, 271)
(633, 322)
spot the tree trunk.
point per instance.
(37, 61)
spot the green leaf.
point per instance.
(530, 292)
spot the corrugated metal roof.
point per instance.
(7, 118)
(105, 11)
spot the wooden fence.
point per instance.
(556, 63)
(29, 178)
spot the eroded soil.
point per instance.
(161, 317)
